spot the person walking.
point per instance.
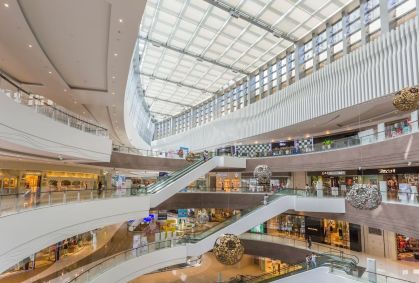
(309, 243)
(313, 260)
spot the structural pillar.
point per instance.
(298, 56)
(364, 36)
(384, 17)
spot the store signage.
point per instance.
(333, 173)
(313, 229)
(387, 171)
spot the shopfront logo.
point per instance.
(387, 171)
(312, 229)
(333, 173)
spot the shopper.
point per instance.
(265, 199)
(205, 154)
(99, 188)
(308, 260)
(309, 242)
(313, 260)
(307, 189)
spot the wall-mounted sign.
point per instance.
(387, 171)
(333, 173)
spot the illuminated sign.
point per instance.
(312, 229)
(334, 173)
(387, 171)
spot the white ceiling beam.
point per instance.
(201, 58)
(236, 13)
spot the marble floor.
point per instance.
(209, 271)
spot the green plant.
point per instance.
(327, 142)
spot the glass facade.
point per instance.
(355, 27)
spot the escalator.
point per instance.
(172, 251)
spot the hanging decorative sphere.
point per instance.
(263, 174)
(407, 99)
(228, 249)
(364, 197)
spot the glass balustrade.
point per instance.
(47, 108)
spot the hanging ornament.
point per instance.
(228, 249)
(407, 99)
(263, 174)
(364, 197)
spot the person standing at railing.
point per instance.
(308, 261)
(307, 189)
(313, 260)
(265, 199)
(99, 188)
(205, 155)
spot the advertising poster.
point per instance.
(182, 213)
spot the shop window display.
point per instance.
(287, 225)
(407, 248)
(336, 233)
(399, 128)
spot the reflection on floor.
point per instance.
(207, 272)
(87, 255)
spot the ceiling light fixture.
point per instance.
(113, 93)
(75, 102)
(65, 90)
(30, 45)
(50, 72)
(121, 20)
(115, 54)
(113, 77)
(6, 5)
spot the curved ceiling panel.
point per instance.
(78, 49)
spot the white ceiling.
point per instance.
(65, 50)
(200, 28)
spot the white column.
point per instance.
(384, 17)
(381, 135)
(414, 119)
(297, 59)
(344, 35)
(362, 18)
(315, 55)
(329, 43)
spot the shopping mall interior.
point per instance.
(209, 141)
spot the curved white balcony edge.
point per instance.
(29, 231)
(24, 234)
(18, 133)
(135, 266)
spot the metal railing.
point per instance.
(42, 106)
(11, 203)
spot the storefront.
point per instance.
(407, 248)
(397, 128)
(279, 180)
(275, 266)
(287, 225)
(340, 179)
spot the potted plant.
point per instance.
(327, 144)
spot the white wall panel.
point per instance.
(23, 129)
(379, 68)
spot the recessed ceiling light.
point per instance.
(30, 45)
(115, 54)
(121, 20)
(256, 142)
(50, 72)
(113, 77)
(84, 112)
(6, 5)
(289, 138)
(327, 132)
(113, 93)
(75, 102)
(65, 90)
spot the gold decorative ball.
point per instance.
(407, 99)
(228, 249)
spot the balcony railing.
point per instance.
(47, 108)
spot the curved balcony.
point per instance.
(31, 126)
(53, 216)
(132, 263)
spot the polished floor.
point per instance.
(209, 271)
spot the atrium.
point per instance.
(209, 141)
